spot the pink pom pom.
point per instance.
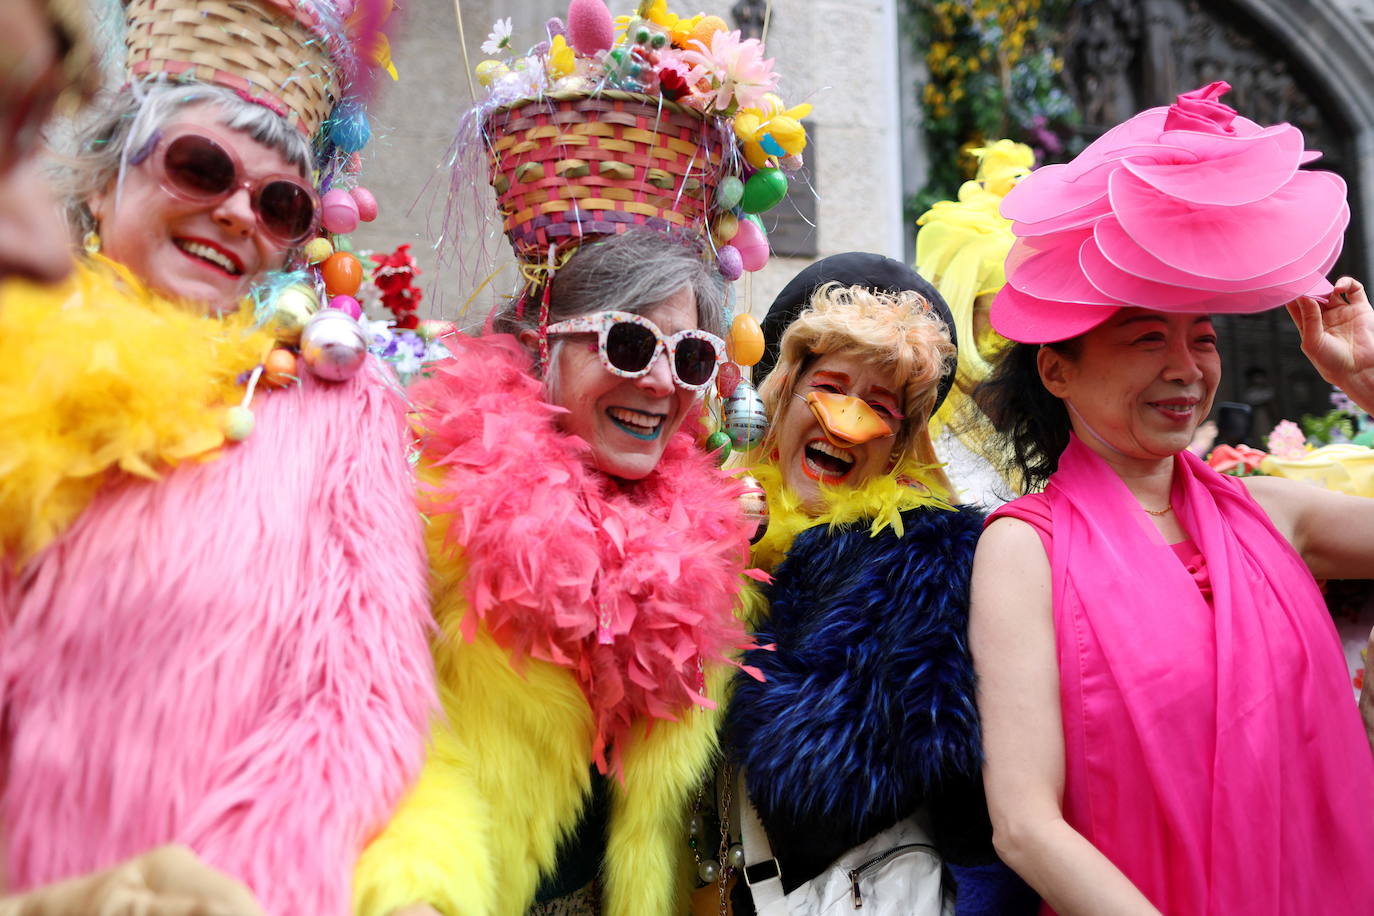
(729, 262)
(590, 28)
(339, 212)
(367, 204)
(752, 245)
(347, 305)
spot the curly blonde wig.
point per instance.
(897, 332)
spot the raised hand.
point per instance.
(1338, 338)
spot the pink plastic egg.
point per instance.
(339, 212)
(367, 204)
(752, 244)
(590, 27)
(347, 305)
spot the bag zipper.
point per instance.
(857, 872)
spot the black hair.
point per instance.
(1032, 424)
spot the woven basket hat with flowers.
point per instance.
(651, 120)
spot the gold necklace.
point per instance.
(1158, 512)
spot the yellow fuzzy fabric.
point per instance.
(99, 375)
(880, 501)
(506, 778)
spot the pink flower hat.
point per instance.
(1190, 208)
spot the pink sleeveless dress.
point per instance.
(1212, 751)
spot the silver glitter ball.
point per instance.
(745, 419)
(333, 345)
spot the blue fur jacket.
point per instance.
(866, 711)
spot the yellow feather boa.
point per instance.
(99, 374)
(881, 500)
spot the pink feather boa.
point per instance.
(234, 657)
(631, 586)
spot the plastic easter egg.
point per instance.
(729, 262)
(343, 274)
(317, 250)
(745, 419)
(752, 243)
(764, 189)
(291, 310)
(238, 423)
(279, 369)
(490, 70)
(338, 212)
(727, 224)
(333, 345)
(436, 329)
(792, 163)
(729, 192)
(348, 305)
(727, 379)
(367, 204)
(719, 442)
(348, 128)
(746, 340)
(590, 27)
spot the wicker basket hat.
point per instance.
(265, 50)
(579, 165)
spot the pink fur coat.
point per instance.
(233, 657)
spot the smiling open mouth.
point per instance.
(637, 423)
(823, 461)
(210, 255)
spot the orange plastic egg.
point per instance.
(279, 369)
(343, 274)
(746, 340)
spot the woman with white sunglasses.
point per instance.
(587, 555)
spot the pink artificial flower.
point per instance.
(737, 72)
(1227, 458)
(1287, 441)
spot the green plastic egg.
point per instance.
(764, 189)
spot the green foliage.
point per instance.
(994, 73)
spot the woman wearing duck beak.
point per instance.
(862, 734)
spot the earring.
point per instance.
(91, 242)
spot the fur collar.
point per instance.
(867, 704)
(630, 587)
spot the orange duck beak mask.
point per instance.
(846, 421)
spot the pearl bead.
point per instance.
(735, 856)
(708, 871)
(697, 827)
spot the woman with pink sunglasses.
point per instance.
(213, 606)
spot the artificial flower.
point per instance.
(771, 130)
(499, 39)
(736, 70)
(1240, 460)
(561, 58)
(1287, 441)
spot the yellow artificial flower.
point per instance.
(561, 58)
(771, 130)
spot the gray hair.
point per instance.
(124, 123)
(628, 272)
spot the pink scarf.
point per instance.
(1214, 754)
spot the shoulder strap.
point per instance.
(761, 870)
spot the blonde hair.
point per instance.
(897, 332)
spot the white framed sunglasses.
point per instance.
(628, 345)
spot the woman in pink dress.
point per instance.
(1167, 720)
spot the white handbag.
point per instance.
(894, 873)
